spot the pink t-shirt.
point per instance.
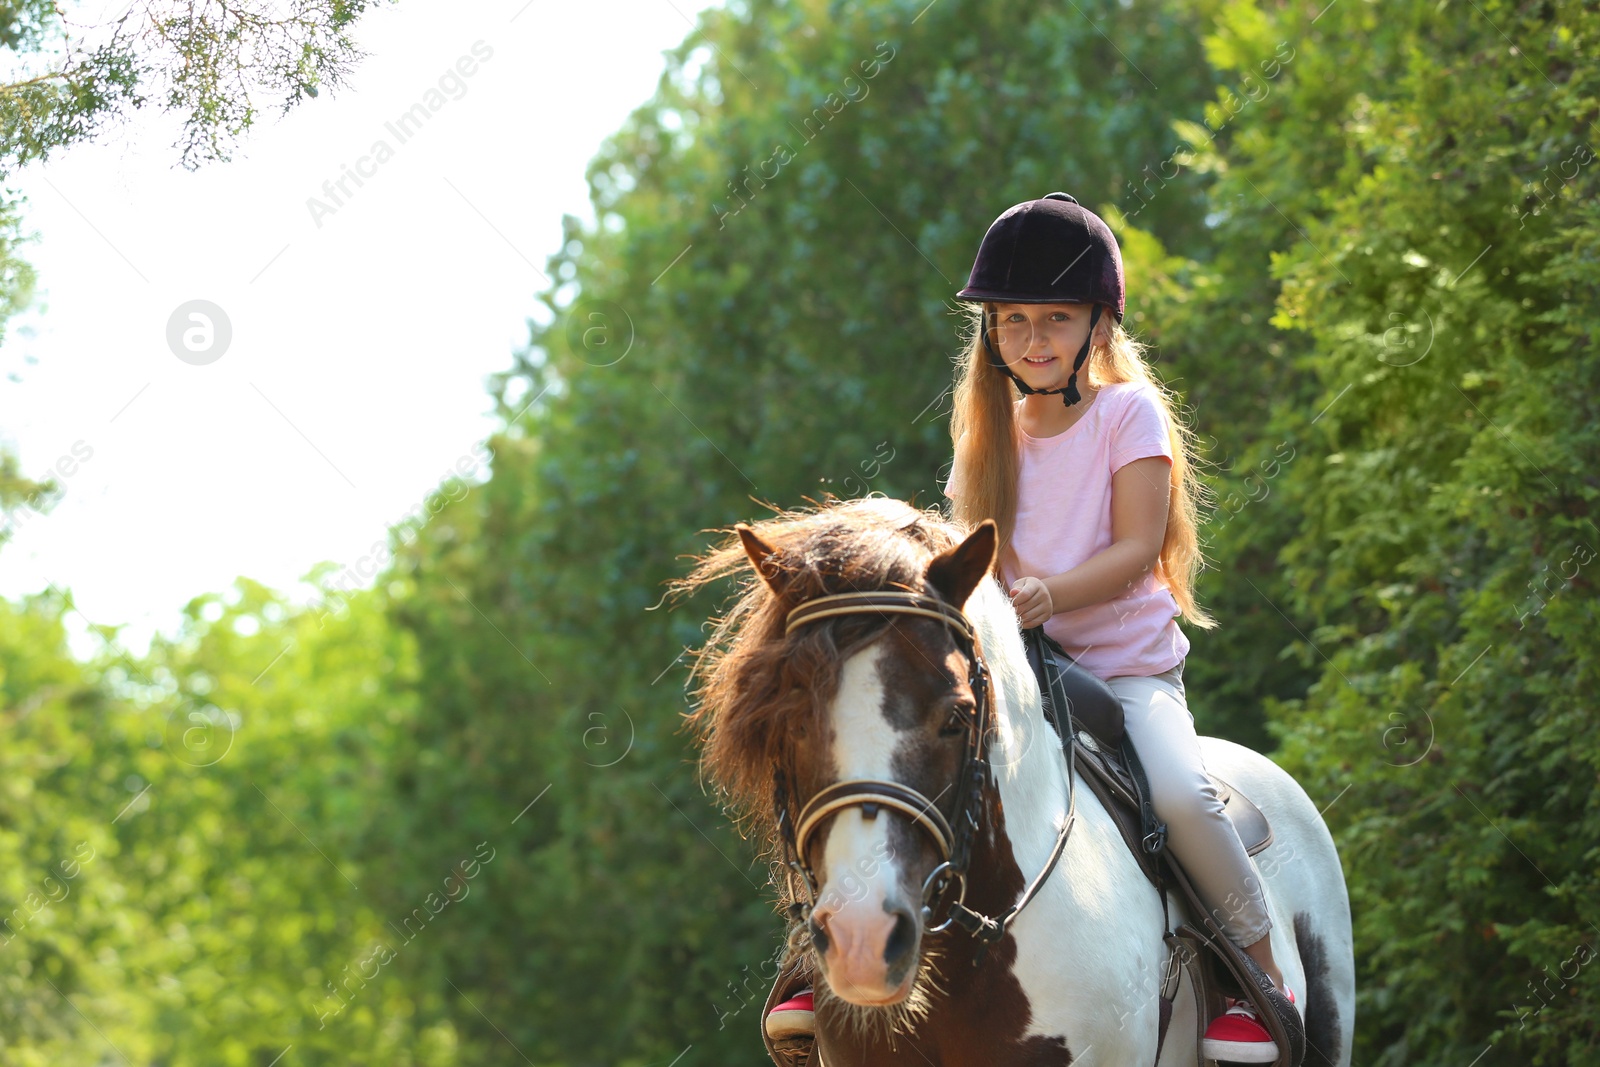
(1064, 518)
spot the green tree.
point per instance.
(761, 312)
(1433, 534)
(213, 65)
(1379, 303)
(187, 842)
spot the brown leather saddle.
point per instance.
(1117, 786)
(1115, 773)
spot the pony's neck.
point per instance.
(1026, 755)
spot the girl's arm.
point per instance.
(1141, 492)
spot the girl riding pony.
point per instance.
(1095, 503)
(1096, 506)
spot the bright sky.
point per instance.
(355, 374)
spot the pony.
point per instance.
(782, 713)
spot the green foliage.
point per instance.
(1374, 283)
(761, 312)
(182, 839)
(17, 275)
(18, 492)
(209, 64)
(1433, 534)
(213, 65)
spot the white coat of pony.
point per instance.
(1090, 953)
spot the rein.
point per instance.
(954, 843)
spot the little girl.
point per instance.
(1096, 508)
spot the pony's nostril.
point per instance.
(819, 937)
(901, 939)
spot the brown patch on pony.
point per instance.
(761, 697)
(959, 990)
(957, 573)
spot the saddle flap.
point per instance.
(1108, 776)
(794, 976)
(1248, 820)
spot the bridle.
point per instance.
(945, 888)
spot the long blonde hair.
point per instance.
(984, 429)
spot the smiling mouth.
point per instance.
(1038, 361)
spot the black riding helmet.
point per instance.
(1048, 251)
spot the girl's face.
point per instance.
(1040, 341)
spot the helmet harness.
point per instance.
(1069, 392)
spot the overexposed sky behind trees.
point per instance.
(361, 337)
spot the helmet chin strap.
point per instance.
(1069, 392)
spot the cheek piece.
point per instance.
(1069, 392)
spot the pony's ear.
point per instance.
(956, 573)
(760, 554)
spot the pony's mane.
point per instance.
(754, 686)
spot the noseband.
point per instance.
(945, 888)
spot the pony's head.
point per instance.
(785, 714)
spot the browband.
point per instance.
(888, 603)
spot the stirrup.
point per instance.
(1239, 1036)
(793, 1018)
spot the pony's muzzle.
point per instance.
(868, 950)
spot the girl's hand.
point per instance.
(1031, 600)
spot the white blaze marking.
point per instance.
(856, 863)
(864, 742)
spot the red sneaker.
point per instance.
(1237, 1036)
(793, 1018)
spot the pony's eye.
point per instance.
(956, 724)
